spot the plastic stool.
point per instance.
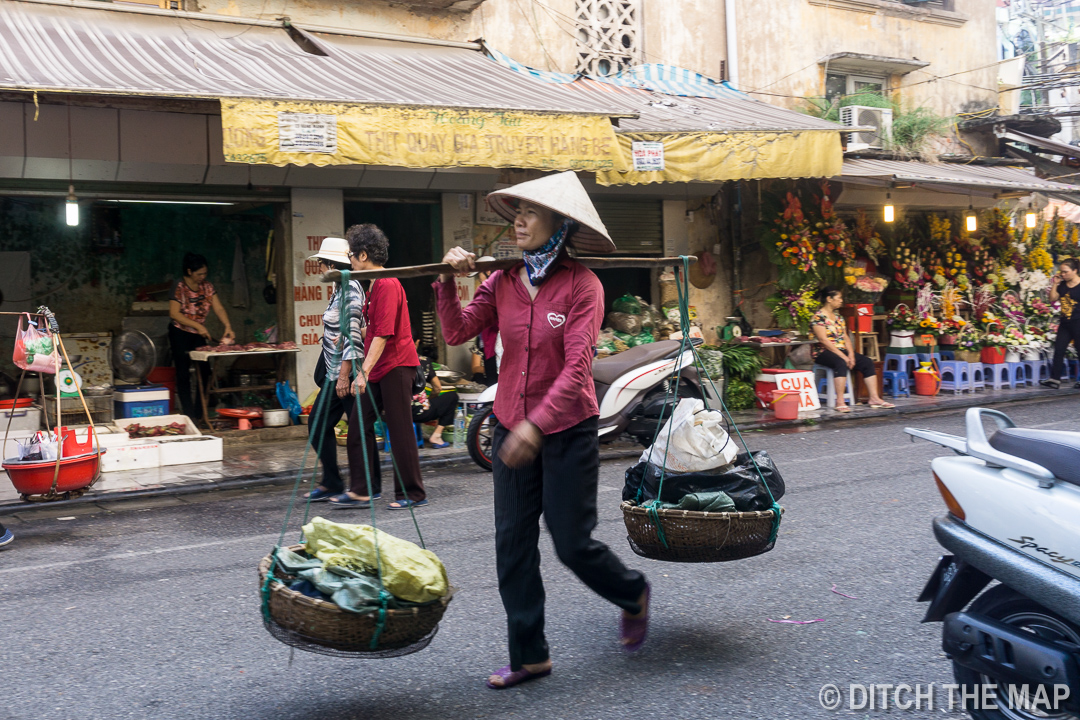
(830, 387)
(1035, 371)
(999, 376)
(959, 377)
(948, 355)
(929, 358)
(895, 382)
(1019, 376)
(977, 375)
(904, 363)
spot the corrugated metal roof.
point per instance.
(658, 112)
(76, 49)
(673, 99)
(667, 79)
(883, 172)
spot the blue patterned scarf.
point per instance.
(539, 262)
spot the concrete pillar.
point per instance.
(316, 214)
(457, 228)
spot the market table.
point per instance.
(770, 346)
(212, 388)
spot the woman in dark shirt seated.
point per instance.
(436, 405)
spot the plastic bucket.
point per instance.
(785, 405)
(927, 382)
(993, 355)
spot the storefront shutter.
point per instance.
(636, 226)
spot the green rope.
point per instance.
(683, 289)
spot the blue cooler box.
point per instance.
(138, 401)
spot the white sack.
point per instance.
(698, 440)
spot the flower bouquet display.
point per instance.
(794, 309)
(994, 343)
(927, 332)
(902, 323)
(865, 289)
(968, 346)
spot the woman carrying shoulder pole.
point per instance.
(546, 450)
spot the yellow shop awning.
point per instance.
(714, 139)
(280, 133)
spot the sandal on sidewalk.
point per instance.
(882, 405)
(406, 504)
(1051, 383)
(344, 501)
(515, 677)
(843, 410)
(319, 495)
(632, 631)
(439, 446)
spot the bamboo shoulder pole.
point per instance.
(594, 263)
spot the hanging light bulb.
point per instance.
(1030, 218)
(889, 211)
(72, 207)
(972, 222)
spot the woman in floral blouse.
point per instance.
(836, 351)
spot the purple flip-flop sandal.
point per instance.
(512, 677)
(632, 631)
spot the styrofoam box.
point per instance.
(189, 427)
(186, 450)
(141, 456)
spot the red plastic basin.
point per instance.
(36, 478)
(16, 404)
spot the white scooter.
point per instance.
(632, 389)
(1014, 517)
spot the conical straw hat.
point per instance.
(564, 194)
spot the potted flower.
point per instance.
(901, 322)
(968, 347)
(994, 343)
(927, 331)
(951, 328)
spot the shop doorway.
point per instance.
(411, 229)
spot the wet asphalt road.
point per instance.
(149, 609)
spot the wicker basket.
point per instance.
(969, 356)
(698, 536)
(322, 627)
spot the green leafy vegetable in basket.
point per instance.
(712, 361)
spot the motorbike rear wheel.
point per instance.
(1010, 607)
(479, 438)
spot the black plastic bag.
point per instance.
(739, 480)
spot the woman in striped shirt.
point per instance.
(335, 361)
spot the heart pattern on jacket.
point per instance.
(556, 319)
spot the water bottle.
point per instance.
(460, 433)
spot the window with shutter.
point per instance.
(636, 226)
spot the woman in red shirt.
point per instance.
(390, 363)
(547, 453)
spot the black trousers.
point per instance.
(491, 370)
(1068, 332)
(560, 483)
(393, 396)
(442, 408)
(326, 413)
(863, 365)
(182, 343)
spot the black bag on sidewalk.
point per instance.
(739, 480)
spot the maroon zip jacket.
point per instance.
(546, 371)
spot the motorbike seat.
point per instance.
(1056, 450)
(608, 370)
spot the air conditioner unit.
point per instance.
(862, 116)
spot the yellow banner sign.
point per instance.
(280, 133)
(716, 157)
